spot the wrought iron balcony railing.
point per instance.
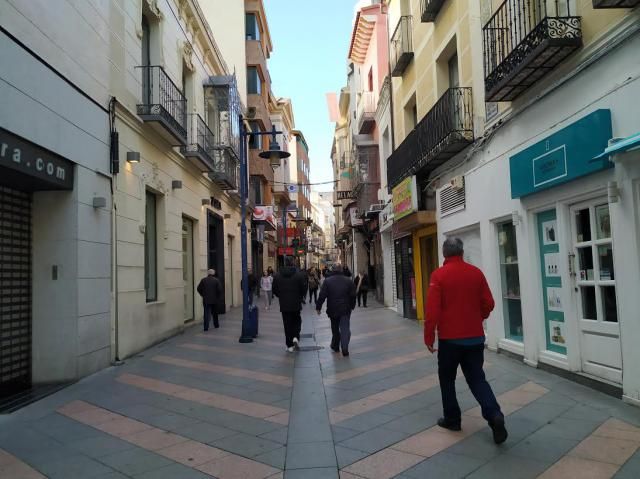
(366, 112)
(200, 143)
(523, 41)
(443, 132)
(401, 46)
(226, 169)
(163, 103)
(366, 166)
(430, 9)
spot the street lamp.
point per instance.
(274, 155)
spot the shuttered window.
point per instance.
(452, 200)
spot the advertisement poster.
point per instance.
(264, 214)
(405, 198)
(551, 281)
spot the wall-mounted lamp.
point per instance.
(133, 157)
(613, 192)
(206, 201)
(176, 184)
(99, 202)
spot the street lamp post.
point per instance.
(275, 155)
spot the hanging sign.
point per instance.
(405, 198)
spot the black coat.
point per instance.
(210, 289)
(364, 282)
(290, 288)
(340, 293)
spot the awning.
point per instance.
(626, 144)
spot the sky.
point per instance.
(309, 59)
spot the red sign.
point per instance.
(285, 251)
(291, 232)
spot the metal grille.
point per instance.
(452, 200)
(15, 290)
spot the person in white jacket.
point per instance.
(266, 284)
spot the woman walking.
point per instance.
(362, 288)
(266, 285)
(314, 283)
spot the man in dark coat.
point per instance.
(289, 287)
(211, 291)
(362, 287)
(340, 293)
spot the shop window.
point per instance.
(151, 248)
(510, 277)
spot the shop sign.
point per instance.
(264, 214)
(355, 220)
(562, 157)
(551, 281)
(32, 160)
(345, 195)
(386, 217)
(288, 251)
(405, 198)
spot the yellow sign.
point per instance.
(405, 198)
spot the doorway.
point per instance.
(215, 251)
(231, 277)
(428, 260)
(187, 268)
(595, 290)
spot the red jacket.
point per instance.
(459, 299)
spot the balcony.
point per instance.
(200, 143)
(430, 10)
(226, 170)
(401, 46)
(445, 130)
(365, 167)
(615, 3)
(163, 105)
(523, 41)
(366, 112)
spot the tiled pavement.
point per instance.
(202, 405)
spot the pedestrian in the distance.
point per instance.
(289, 287)
(314, 284)
(340, 293)
(266, 283)
(252, 283)
(211, 291)
(270, 271)
(362, 288)
(347, 272)
(458, 301)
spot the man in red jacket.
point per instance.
(459, 300)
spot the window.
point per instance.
(410, 115)
(454, 75)
(254, 82)
(509, 271)
(252, 28)
(151, 248)
(255, 141)
(256, 190)
(370, 79)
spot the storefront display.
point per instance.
(510, 275)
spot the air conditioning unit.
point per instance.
(251, 112)
(457, 182)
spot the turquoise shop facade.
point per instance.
(559, 225)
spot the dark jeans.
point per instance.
(470, 359)
(362, 294)
(292, 325)
(209, 311)
(341, 332)
(313, 293)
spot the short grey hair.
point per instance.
(452, 247)
(337, 268)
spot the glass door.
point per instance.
(510, 278)
(187, 268)
(595, 281)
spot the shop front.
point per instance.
(388, 256)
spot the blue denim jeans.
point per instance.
(210, 310)
(470, 359)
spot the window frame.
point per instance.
(151, 254)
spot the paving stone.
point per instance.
(173, 471)
(73, 466)
(64, 429)
(311, 455)
(317, 473)
(279, 435)
(342, 433)
(513, 467)
(99, 446)
(246, 445)
(275, 458)
(543, 447)
(374, 439)
(347, 456)
(204, 432)
(445, 465)
(366, 421)
(134, 461)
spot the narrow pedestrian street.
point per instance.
(203, 405)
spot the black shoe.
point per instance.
(500, 433)
(450, 425)
(335, 349)
(345, 353)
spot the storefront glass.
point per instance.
(509, 272)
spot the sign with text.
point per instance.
(405, 198)
(51, 171)
(564, 156)
(345, 195)
(355, 218)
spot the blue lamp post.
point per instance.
(275, 155)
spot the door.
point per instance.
(231, 277)
(187, 268)
(215, 251)
(595, 288)
(429, 261)
(15, 291)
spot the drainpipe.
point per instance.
(115, 168)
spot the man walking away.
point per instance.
(458, 301)
(314, 283)
(362, 287)
(340, 293)
(266, 283)
(211, 291)
(290, 288)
